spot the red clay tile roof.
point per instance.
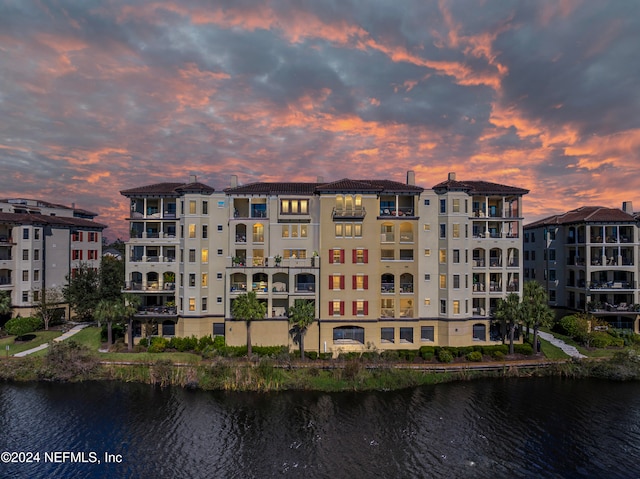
(480, 187)
(61, 221)
(586, 214)
(285, 188)
(196, 187)
(164, 189)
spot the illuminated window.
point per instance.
(357, 230)
(360, 256)
(205, 255)
(456, 306)
(443, 281)
(348, 230)
(443, 256)
(337, 256)
(456, 206)
(359, 281)
(339, 230)
(192, 209)
(359, 307)
(258, 233)
(205, 280)
(303, 231)
(427, 252)
(192, 304)
(426, 227)
(427, 301)
(336, 282)
(285, 231)
(192, 231)
(456, 230)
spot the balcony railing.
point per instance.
(350, 213)
(400, 211)
(387, 288)
(611, 285)
(387, 313)
(305, 287)
(406, 287)
(157, 310)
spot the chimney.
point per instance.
(627, 207)
(411, 177)
(320, 179)
(193, 178)
(452, 177)
(234, 181)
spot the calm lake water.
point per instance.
(511, 428)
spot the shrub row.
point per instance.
(19, 326)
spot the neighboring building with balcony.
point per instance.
(587, 260)
(389, 265)
(41, 245)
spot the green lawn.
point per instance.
(552, 352)
(42, 337)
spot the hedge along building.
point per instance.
(387, 264)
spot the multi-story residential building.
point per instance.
(587, 260)
(41, 245)
(389, 265)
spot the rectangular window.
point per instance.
(192, 231)
(25, 233)
(552, 275)
(427, 202)
(456, 281)
(456, 306)
(36, 234)
(387, 255)
(456, 255)
(456, 206)
(456, 230)
(336, 308)
(205, 280)
(192, 256)
(427, 277)
(387, 308)
(360, 282)
(205, 231)
(220, 252)
(304, 231)
(285, 231)
(387, 335)
(443, 306)
(336, 282)
(443, 231)
(25, 275)
(348, 230)
(339, 230)
(360, 256)
(25, 255)
(192, 304)
(336, 256)
(426, 227)
(552, 255)
(219, 300)
(218, 275)
(205, 208)
(443, 256)
(443, 281)
(427, 252)
(192, 211)
(443, 206)
(204, 303)
(205, 255)
(360, 308)
(25, 296)
(218, 329)
(406, 335)
(357, 230)
(192, 280)
(426, 333)
(36, 275)
(36, 296)
(427, 301)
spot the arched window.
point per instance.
(479, 332)
(241, 233)
(387, 283)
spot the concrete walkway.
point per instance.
(566, 348)
(62, 337)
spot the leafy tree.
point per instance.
(111, 278)
(48, 305)
(509, 313)
(301, 316)
(108, 311)
(6, 308)
(536, 308)
(82, 291)
(20, 326)
(248, 308)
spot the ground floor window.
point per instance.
(168, 328)
(387, 335)
(406, 335)
(479, 332)
(427, 333)
(218, 329)
(348, 334)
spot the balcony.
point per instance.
(611, 285)
(157, 311)
(401, 211)
(348, 214)
(305, 287)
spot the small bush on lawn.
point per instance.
(475, 356)
(311, 355)
(427, 352)
(490, 350)
(498, 355)
(525, 349)
(444, 356)
(325, 356)
(21, 326)
(158, 344)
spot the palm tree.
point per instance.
(301, 316)
(129, 309)
(536, 308)
(108, 311)
(509, 312)
(248, 308)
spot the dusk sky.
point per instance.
(100, 96)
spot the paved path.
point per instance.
(567, 348)
(62, 337)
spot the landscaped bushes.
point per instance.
(20, 326)
(574, 326)
(474, 356)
